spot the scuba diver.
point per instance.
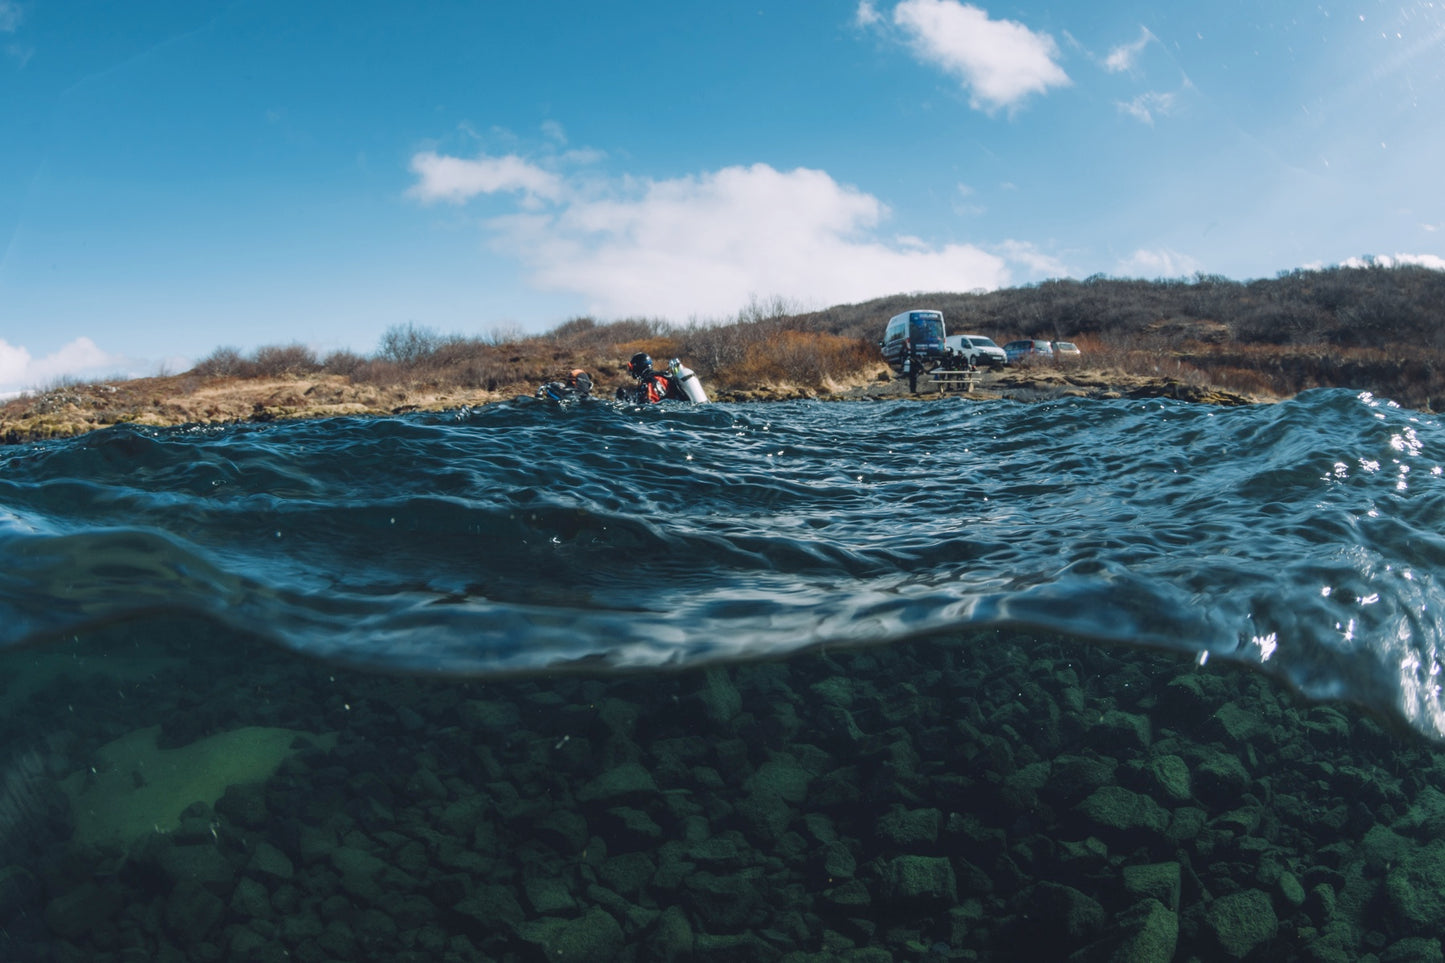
(680, 383)
(576, 386)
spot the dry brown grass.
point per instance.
(798, 358)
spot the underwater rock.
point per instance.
(1425, 818)
(1124, 730)
(1414, 949)
(192, 913)
(1124, 814)
(922, 880)
(672, 937)
(549, 896)
(1150, 934)
(1072, 778)
(1241, 921)
(1157, 881)
(1219, 778)
(725, 904)
(1234, 724)
(1071, 918)
(721, 701)
(617, 783)
(1415, 887)
(73, 915)
(910, 829)
(1170, 774)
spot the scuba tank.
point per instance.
(687, 380)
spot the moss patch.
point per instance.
(136, 788)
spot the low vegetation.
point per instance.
(1380, 329)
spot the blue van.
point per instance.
(920, 332)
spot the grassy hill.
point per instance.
(1374, 329)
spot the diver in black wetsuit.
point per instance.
(651, 386)
(576, 386)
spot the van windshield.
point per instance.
(926, 327)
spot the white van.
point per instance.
(979, 351)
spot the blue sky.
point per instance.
(180, 176)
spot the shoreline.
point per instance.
(72, 410)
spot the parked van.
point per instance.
(978, 350)
(920, 332)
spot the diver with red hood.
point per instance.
(679, 383)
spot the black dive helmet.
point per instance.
(640, 366)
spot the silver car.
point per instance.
(1026, 351)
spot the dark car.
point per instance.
(1028, 351)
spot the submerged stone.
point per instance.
(1118, 810)
(1415, 887)
(926, 879)
(592, 938)
(1151, 934)
(1241, 921)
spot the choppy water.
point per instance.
(1303, 538)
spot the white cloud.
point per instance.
(1146, 106)
(1039, 264)
(701, 246)
(867, 14)
(1000, 61)
(1162, 263)
(20, 371)
(457, 180)
(10, 16)
(1124, 56)
(1433, 261)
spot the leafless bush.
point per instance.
(342, 362)
(574, 330)
(274, 361)
(508, 333)
(407, 343)
(631, 329)
(221, 363)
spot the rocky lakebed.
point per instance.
(196, 795)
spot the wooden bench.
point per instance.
(953, 380)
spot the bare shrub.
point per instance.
(407, 343)
(631, 329)
(221, 363)
(280, 360)
(574, 330)
(508, 333)
(342, 362)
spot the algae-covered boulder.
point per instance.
(1150, 934)
(135, 788)
(1116, 811)
(617, 783)
(921, 879)
(1171, 775)
(593, 938)
(1158, 881)
(1072, 778)
(910, 828)
(1241, 921)
(1415, 887)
